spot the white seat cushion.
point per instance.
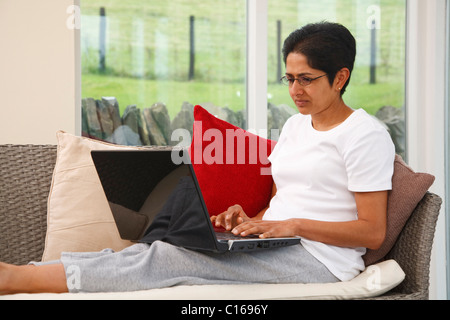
(374, 281)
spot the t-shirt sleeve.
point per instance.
(369, 160)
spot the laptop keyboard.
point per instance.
(230, 236)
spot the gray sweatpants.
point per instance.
(143, 266)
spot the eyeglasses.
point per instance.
(303, 81)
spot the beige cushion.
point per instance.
(374, 281)
(79, 218)
(408, 188)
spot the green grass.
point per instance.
(144, 93)
(150, 39)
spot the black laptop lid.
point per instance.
(152, 198)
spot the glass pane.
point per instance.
(378, 79)
(147, 63)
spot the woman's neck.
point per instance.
(331, 117)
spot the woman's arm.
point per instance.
(368, 231)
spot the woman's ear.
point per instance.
(341, 78)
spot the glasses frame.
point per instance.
(303, 81)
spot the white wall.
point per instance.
(38, 63)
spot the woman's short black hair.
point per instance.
(327, 46)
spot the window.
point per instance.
(378, 80)
(151, 61)
(145, 64)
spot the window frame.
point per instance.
(257, 51)
(447, 143)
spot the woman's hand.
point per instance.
(231, 218)
(266, 229)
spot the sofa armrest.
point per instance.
(412, 250)
(25, 178)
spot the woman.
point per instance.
(332, 170)
(332, 166)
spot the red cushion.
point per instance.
(231, 165)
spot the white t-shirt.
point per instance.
(317, 173)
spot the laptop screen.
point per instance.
(152, 198)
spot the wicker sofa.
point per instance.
(25, 179)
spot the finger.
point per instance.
(219, 220)
(230, 217)
(246, 229)
(265, 235)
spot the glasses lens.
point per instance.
(304, 81)
(285, 81)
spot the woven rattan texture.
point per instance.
(25, 179)
(412, 250)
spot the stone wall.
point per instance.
(394, 120)
(153, 125)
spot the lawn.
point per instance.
(173, 93)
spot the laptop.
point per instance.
(154, 196)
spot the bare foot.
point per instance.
(5, 277)
(32, 279)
